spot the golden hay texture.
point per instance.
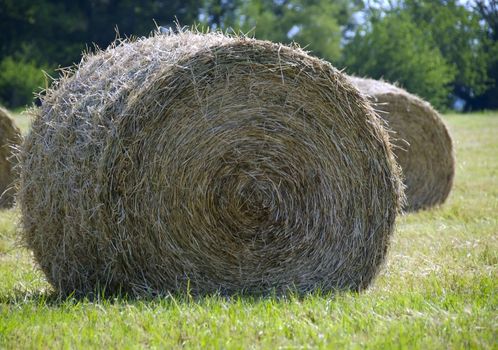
(207, 163)
(10, 137)
(423, 145)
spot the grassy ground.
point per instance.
(439, 288)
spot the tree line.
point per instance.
(446, 51)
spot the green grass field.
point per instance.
(439, 288)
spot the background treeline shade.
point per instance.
(442, 50)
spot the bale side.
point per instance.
(10, 137)
(423, 145)
(208, 163)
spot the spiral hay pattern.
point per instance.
(423, 145)
(208, 163)
(10, 137)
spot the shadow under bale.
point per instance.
(423, 145)
(10, 137)
(203, 163)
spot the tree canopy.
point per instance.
(441, 50)
(396, 50)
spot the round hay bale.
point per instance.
(10, 137)
(207, 163)
(423, 145)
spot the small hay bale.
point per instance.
(207, 163)
(10, 137)
(423, 145)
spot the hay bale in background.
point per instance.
(423, 144)
(10, 137)
(222, 164)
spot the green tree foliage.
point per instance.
(455, 29)
(58, 30)
(435, 48)
(488, 11)
(455, 34)
(19, 80)
(220, 14)
(55, 32)
(397, 50)
(315, 24)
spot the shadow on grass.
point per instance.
(40, 297)
(51, 298)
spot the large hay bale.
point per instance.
(10, 137)
(423, 145)
(211, 163)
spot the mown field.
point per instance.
(439, 288)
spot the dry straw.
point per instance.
(423, 144)
(10, 137)
(208, 163)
